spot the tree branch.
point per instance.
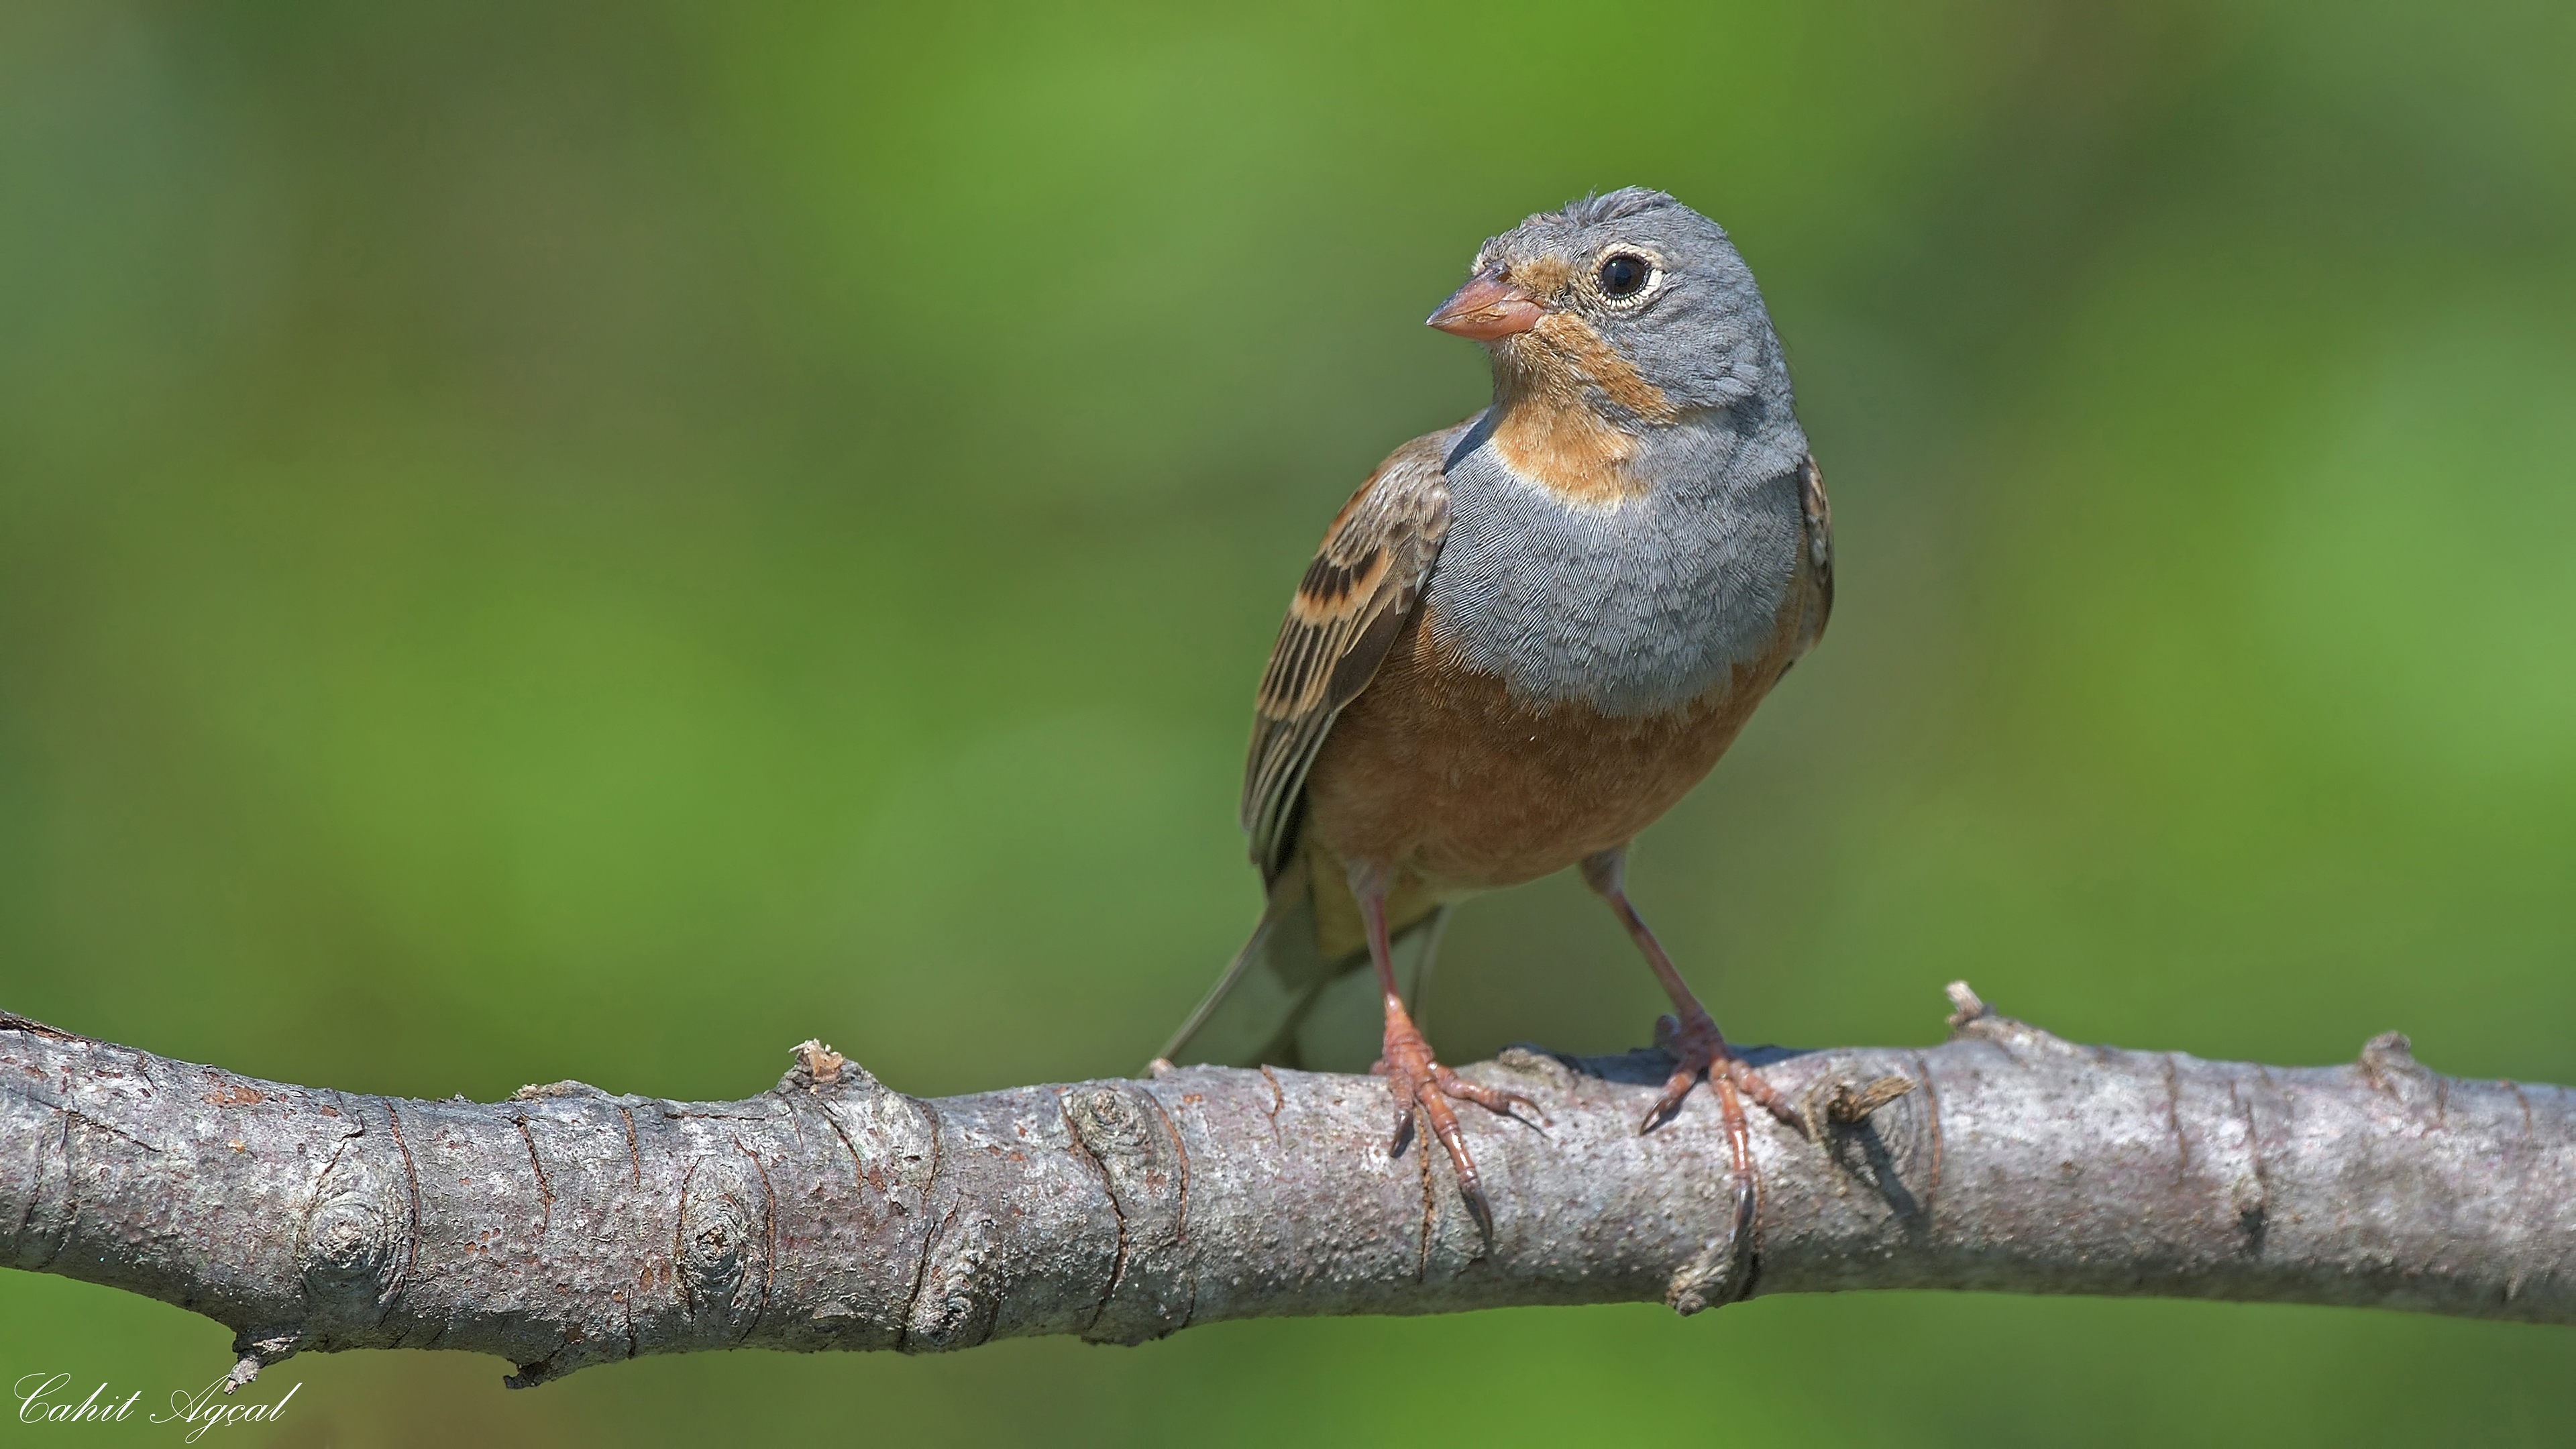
(567, 1227)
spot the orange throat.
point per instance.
(1550, 431)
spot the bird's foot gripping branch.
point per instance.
(570, 1226)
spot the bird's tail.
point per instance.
(1285, 1003)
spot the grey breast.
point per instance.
(1634, 608)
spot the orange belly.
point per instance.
(1438, 771)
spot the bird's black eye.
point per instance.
(1624, 274)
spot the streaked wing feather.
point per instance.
(1819, 517)
(1346, 615)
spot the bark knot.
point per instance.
(349, 1243)
(722, 1246)
(1130, 1137)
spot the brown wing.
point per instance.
(1820, 549)
(1348, 609)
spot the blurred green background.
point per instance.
(546, 540)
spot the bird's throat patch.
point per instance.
(1552, 432)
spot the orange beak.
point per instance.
(1487, 309)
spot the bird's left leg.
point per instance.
(1694, 1039)
(1412, 1074)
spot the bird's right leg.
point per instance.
(1412, 1074)
(1698, 1047)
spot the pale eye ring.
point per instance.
(1624, 276)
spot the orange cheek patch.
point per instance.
(1599, 363)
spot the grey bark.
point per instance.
(568, 1227)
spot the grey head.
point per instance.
(1636, 271)
(1625, 523)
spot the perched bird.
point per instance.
(1523, 639)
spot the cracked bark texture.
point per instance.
(568, 1227)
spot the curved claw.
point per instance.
(1703, 1054)
(1444, 1125)
(1493, 1099)
(1417, 1081)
